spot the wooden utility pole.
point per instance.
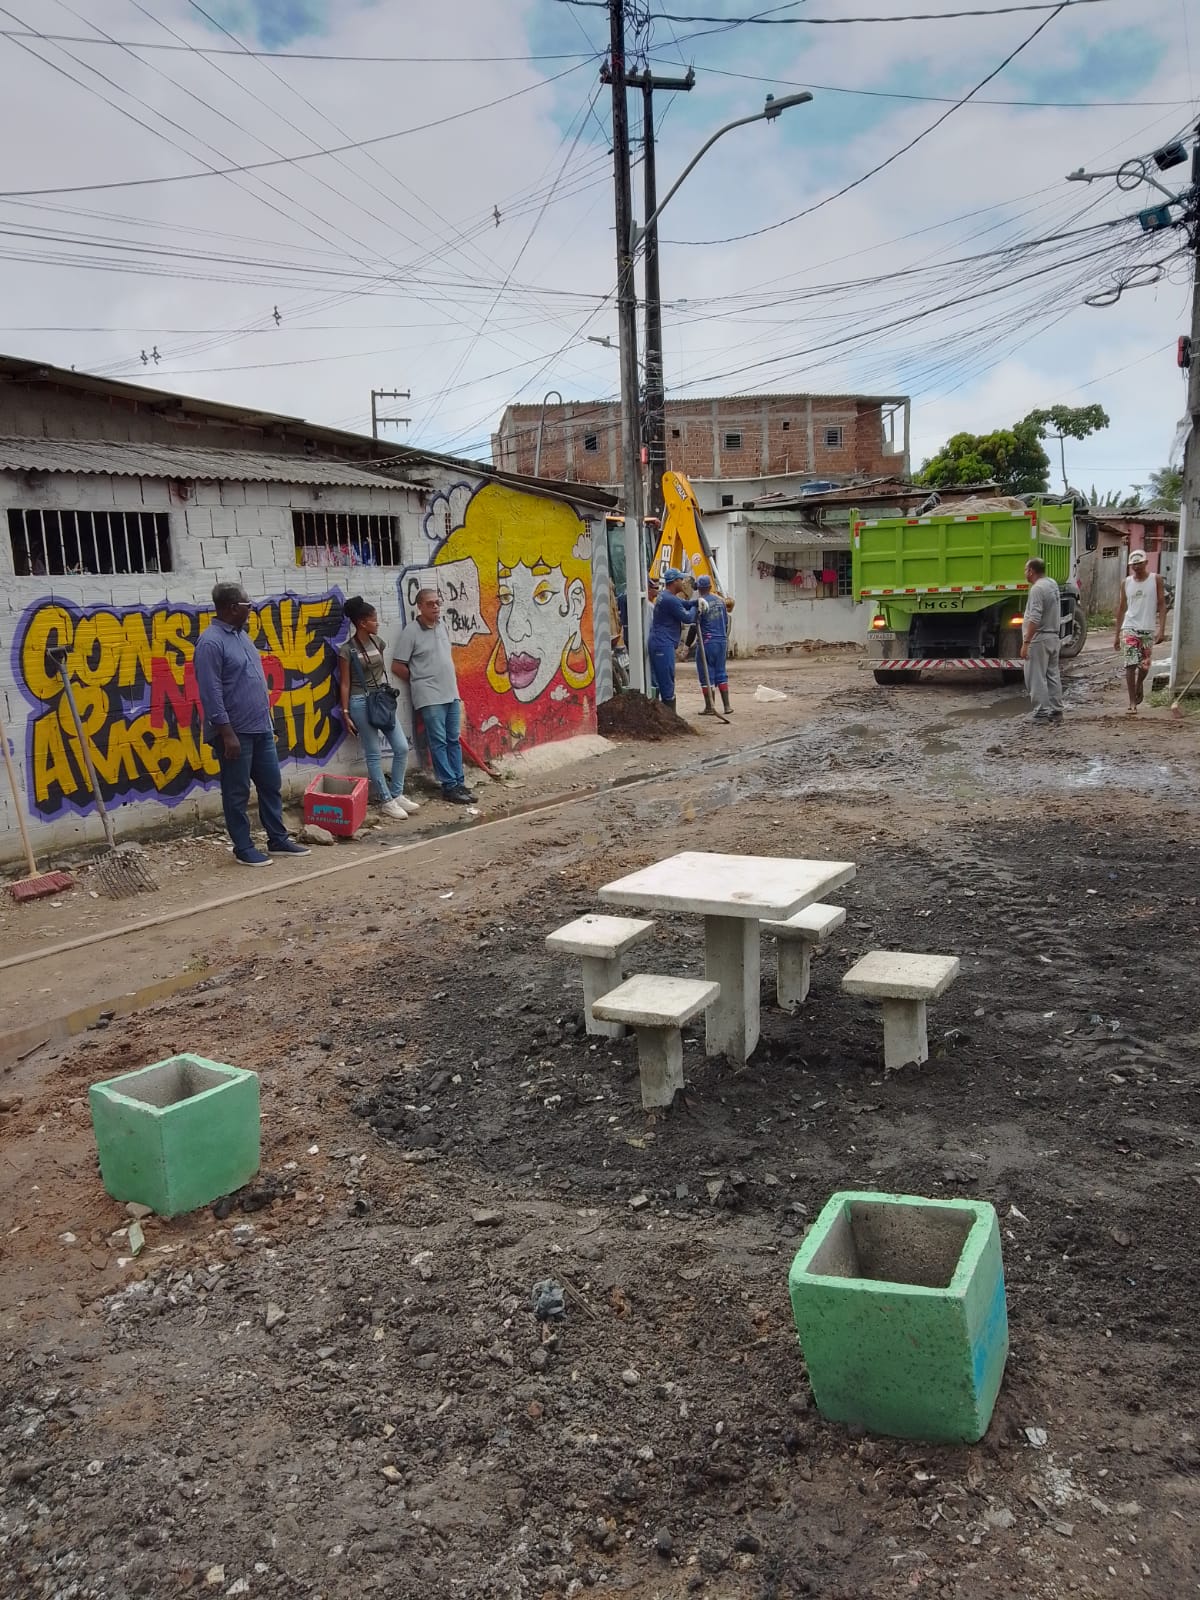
(655, 417)
(1185, 656)
(631, 466)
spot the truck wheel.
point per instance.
(1075, 641)
(1013, 675)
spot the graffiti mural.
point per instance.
(135, 685)
(515, 575)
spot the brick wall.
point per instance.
(751, 437)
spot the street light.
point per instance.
(635, 564)
(769, 112)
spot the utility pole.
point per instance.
(1185, 657)
(387, 394)
(656, 400)
(631, 466)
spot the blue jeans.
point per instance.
(442, 726)
(372, 741)
(257, 764)
(662, 669)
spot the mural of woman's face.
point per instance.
(540, 614)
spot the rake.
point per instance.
(122, 870)
(35, 886)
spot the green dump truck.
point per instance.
(948, 588)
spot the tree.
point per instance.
(1164, 492)
(1012, 457)
(1067, 422)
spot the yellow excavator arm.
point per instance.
(681, 541)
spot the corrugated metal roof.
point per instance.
(786, 532)
(181, 461)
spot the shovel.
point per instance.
(702, 663)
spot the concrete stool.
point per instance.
(796, 939)
(656, 1008)
(904, 983)
(600, 942)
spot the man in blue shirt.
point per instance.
(713, 624)
(666, 629)
(238, 725)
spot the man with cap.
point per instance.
(713, 624)
(671, 611)
(1141, 623)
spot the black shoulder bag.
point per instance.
(381, 702)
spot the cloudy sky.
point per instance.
(464, 249)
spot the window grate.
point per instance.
(814, 574)
(344, 539)
(591, 443)
(58, 543)
(833, 438)
(733, 441)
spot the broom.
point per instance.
(34, 887)
(121, 870)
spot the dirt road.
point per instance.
(439, 1135)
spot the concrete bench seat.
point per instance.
(600, 942)
(905, 983)
(656, 1008)
(797, 938)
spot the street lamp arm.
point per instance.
(770, 111)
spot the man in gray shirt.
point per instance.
(422, 658)
(1041, 642)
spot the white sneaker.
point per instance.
(393, 808)
(409, 807)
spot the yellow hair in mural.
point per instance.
(539, 591)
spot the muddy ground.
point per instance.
(342, 1391)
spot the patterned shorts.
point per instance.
(1136, 651)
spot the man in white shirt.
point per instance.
(1141, 623)
(1041, 643)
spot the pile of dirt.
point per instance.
(632, 716)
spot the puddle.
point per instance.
(56, 1030)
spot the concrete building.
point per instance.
(734, 437)
(122, 506)
(1110, 537)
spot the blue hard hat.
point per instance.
(704, 582)
(672, 575)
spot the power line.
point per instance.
(311, 155)
(943, 99)
(828, 22)
(288, 55)
(754, 233)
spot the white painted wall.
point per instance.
(228, 531)
(764, 620)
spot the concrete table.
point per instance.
(733, 894)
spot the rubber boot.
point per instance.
(709, 708)
(670, 704)
(725, 698)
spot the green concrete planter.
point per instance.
(900, 1308)
(177, 1135)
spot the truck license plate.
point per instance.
(941, 602)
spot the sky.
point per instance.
(464, 249)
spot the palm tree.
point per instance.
(1164, 492)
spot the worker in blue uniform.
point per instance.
(713, 623)
(671, 611)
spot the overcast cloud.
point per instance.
(387, 266)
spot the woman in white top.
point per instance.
(1141, 623)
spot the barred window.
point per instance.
(733, 441)
(833, 438)
(815, 574)
(343, 539)
(57, 543)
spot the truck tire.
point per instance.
(1013, 675)
(1075, 641)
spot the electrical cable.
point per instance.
(755, 233)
